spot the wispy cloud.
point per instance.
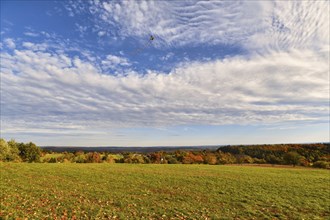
(31, 34)
(35, 47)
(113, 61)
(252, 24)
(177, 22)
(294, 24)
(52, 88)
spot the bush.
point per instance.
(272, 159)
(259, 161)
(171, 159)
(322, 164)
(52, 160)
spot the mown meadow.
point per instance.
(162, 191)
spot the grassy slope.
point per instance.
(162, 191)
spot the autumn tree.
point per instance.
(191, 158)
(133, 158)
(156, 157)
(210, 158)
(93, 157)
(109, 158)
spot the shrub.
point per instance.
(322, 164)
(52, 160)
(171, 159)
(259, 161)
(272, 159)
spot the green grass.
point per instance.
(131, 191)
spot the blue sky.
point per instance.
(85, 73)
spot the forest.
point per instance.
(307, 155)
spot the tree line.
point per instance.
(309, 155)
(19, 152)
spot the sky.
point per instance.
(86, 73)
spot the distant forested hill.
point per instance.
(127, 149)
(308, 155)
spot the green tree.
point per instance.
(171, 159)
(29, 152)
(137, 158)
(80, 157)
(272, 159)
(292, 158)
(14, 151)
(225, 158)
(242, 158)
(9, 150)
(322, 164)
(4, 150)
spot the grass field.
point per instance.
(125, 191)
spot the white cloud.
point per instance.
(81, 29)
(113, 61)
(46, 89)
(101, 33)
(254, 25)
(294, 24)
(182, 22)
(10, 43)
(31, 34)
(28, 44)
(35, 47)
(167, 56)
